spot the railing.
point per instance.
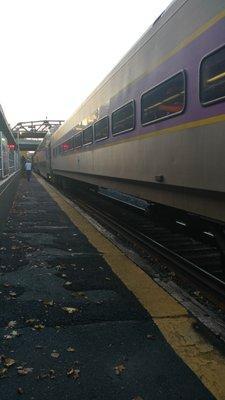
(9, 159)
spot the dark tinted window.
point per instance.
(123, 119)
(78, 140)
(88, 135)
(164, 100)
(212, 77)
(101, 129)
(68, 145)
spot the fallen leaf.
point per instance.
(48, 303)
(12, 335)
(54, 354)
(79, 294)
(3, 371)
(51, 374)
(24, 371)
(15, 333)
(8, 362)
(12, 294)
(11, 324)
(42, 376)
(70, 310)
(137, 398)
(7, 337)
(152, 337)
(73, 373)
(20, 390)
(70, 349)
(119, 369)
(39, 327)
(30, 321)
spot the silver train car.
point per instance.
(155, 127)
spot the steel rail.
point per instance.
(189, 268)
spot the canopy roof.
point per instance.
(5, 128)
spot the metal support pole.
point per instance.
(1, 154)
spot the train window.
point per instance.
(101, 129)
(68, 145)
(212, 77)
(164, 100)
(78, 140)
(123, 119)
(88, 135)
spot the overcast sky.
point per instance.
(55, 52)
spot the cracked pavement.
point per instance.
(57, 293)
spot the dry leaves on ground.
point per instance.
(70, 349)
(11, 324)
(73, 373)
(30, 321)
(151, 337)
(48, 303)
(12, 294)
(3, 372)
(119, 369)
(137, 398)
(39, 327)
(7, 361)
(24, 371)
(50, 374)
(12, 335)
(70, 310)
(55, 354)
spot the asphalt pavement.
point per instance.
(69, 328)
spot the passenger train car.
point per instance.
(155, 127)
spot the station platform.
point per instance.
(79, 320)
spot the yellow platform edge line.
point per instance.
(171, 318)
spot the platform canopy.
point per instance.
(5, 128)
(36, 129)
(31, 133)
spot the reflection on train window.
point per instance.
(123, 119)
(68, 145)
(88, 135)
(212, 77)
(164, 101)
(101, 129)
(78, 140)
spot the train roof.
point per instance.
(163, 18)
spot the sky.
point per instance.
(55, 52)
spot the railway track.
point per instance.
(197, 260)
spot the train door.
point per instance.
(48, 160)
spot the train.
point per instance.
(155, 126)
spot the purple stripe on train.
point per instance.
(198, 49)
(187, 59)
